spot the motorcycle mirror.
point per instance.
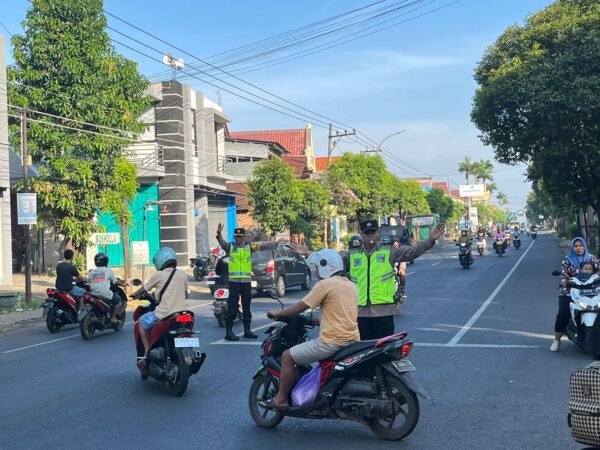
(273, 294)
(556, 273)
(136, 282)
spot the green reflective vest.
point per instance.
(240, 262)
(373, 276)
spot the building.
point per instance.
(6, 257)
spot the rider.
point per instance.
(499, 238)
(372, 269)
(170, 301)
(65, 272)
(338, 299)
(240, 279)
(571, 265)
(464, 238)
(101, 281)
(481, 237)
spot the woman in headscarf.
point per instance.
(570, 268)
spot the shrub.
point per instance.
(572, 231)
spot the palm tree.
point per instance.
(502, 199)
(467, 167)
(483, 172)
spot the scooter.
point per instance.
(218, 283)
(585, 296)
(370, 382)
(516, 242)
(464, 255)
(61, 308)
(97, 312)
(174, 354)
(482, 246)
(200, 267)
(534, 235)
(500, 246)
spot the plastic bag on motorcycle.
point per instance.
(307, 388)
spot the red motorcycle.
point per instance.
(60, 308)
(97, 312)
(174, 354)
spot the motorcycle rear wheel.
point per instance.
(87, 326)
(198, 273)
(264, 387)
(52, 321)
(408, 406)
(179, 387)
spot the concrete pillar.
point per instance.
(5, 220)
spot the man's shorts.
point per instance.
(148, 320)
(312, 351)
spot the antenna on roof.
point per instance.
(176, 64)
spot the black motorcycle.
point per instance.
(464, 254)
(533, 234)
(516, 242)
(500, 246)
(368, 382)
(200, 267)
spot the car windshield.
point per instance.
(262, 255)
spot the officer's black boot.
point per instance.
(229, 336)
(248, 334)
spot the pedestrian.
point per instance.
(239, 255)
(401, 273)
(571, 266)
(66, 272)
(372, 270)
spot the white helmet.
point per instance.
(325, 262)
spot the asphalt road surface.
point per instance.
(481, 351)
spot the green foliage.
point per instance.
(467, 167)
(274, 194)
(459, 212)
(572, 231)
(115, 199)
(406, 196)
(499, 216)
(65, 65)
(440, 204)
(538, 96)
(484, 213)
(312, 208)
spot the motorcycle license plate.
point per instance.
(404, 365)
(253, 284)
(210, 282)
(187, 342)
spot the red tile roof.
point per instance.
(298, 163)
(321, 162)
(294, 141)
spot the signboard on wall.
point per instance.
(105, 238)
(471, 190)
(26, 208)
(140, 253)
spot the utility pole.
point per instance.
(25, 155)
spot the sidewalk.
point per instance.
(39, 284)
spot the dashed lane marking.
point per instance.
(435, 264)
(76, 335)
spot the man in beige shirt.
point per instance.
(338, 299)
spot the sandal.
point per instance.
(270, 404)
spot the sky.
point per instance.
(416, 76)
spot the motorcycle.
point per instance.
(96, 312)
(516, 242)
(464, 254)
(534, 235)
(200, 267)
(482, 246)
(218, 283)
(368, 382)
(174, 356)
(500, 246)
(60, 308)
(585, 296)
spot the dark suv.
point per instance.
(281, 268)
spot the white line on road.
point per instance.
(223, 341)
(409, 273)
(417, 344)
(435, 264)
(75, 335)
(489, 300)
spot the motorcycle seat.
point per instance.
(350, 349)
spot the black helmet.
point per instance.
(385, 240)
(355, 241)
(101, 260)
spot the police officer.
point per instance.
(239, 254)
(372, 269)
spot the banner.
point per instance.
(471, 190)
(26, 209)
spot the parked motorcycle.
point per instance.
(585, 296)
(464, 254)
(516, 242)
(200, 267)
(96, 312)
(482, 247)
(60, 308)
(174, 356)
(368, 382)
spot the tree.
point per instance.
(459, 212)
(312, 208)
(359, 185)
(538, 96)
(406, 197)
(483, 171)
(467, 167)
(440, 204)
(116, 200)
(502, 199)
(274, 195)
(64, 65)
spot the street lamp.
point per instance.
(386, 138)
(147, 207)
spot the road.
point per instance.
(481, 351)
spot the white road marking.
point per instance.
(489, 300)
(75, 335)
(435, 264)
(417, 344)
(409, 273)
(223, 341)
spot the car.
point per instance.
(280, 268)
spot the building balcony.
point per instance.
(148, 157)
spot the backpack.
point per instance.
(584, 418)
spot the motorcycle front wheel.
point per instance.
(179, 386)
(406, 405)
(121, 319)
(264, 387)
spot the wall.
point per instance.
(5, 206)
